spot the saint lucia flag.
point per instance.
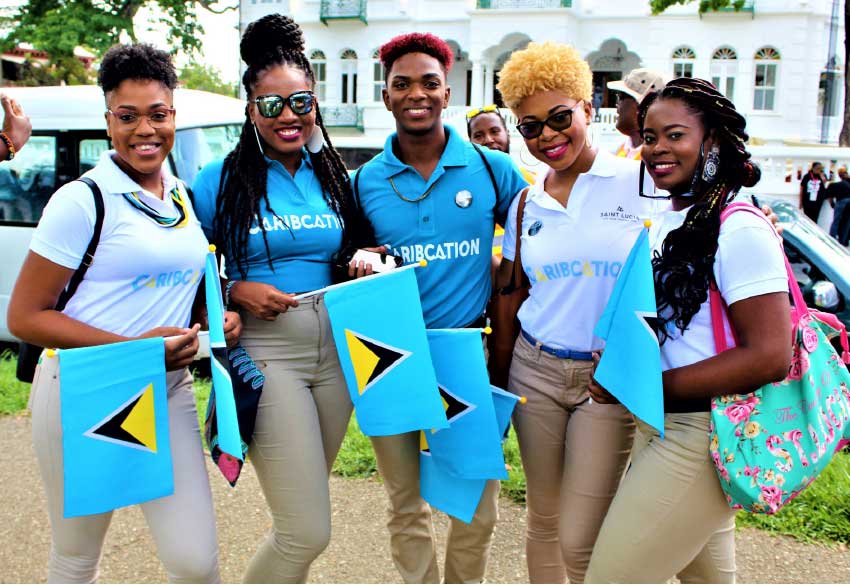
(630, 368)
(380, 337)
(471, 447)
(115, 439)
(226, 446)
(455, 496)
(504, 404)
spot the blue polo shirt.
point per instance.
(302, 230)
(451, 228)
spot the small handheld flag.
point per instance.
(471, 447)
(455, 496)
(226, 445)
(383, 351)
(115, 440)
(630, 367)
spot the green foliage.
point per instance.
(59, 26)
(13, 394)
(207, 78)
(821, 512)
(356, 458)
(659, 6)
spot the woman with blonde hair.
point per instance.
(578, 223)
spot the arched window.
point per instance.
(377, 77)
(683, 62)
(764, 90)
(319, 64)
(348, 79)
(724, 69)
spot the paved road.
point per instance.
(358, 553)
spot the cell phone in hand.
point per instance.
(379, 262)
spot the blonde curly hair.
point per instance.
(544, 67)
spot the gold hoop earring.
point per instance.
(522, 158)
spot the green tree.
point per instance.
(207, 78)
(659, 6)
(59, 26)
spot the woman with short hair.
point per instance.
(149, 227)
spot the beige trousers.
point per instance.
(182, 525)
(670, 516)
(301, 422)
(411, 529)
(573, 452)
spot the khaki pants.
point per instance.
(301, 422)
(573, 452)
(411, 529)
(670, 516)
(182, 525)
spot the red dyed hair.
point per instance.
(416, 43)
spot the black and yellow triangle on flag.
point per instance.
(371, 359)
(456, 407)
(133, 424)
(423, 444)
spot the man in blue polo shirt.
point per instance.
(431, 195)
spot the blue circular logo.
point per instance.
(535, 227)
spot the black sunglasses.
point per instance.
(558, 122)
(271, 105)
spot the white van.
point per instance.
(69, 134)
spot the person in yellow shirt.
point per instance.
(630, 92)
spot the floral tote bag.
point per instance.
(769, 445)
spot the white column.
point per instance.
(477, 95)
(488, 84)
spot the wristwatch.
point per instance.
(9, 146)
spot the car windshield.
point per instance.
(195, 147)
(789, 214)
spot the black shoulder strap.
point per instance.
(489, 169)
(88, 258)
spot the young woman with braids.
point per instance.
(670, 516)
(277, 207)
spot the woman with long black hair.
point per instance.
(279, 206)
(670, 516)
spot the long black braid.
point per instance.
(684, 270)
(268, 42)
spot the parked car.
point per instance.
(69, 134)
(821, 265)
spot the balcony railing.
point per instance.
(523, 4)
(343, 10)
(343, 116)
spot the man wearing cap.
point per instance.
(630, 92)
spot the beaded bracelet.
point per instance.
(10, 147)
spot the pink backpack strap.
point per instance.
(718, 305)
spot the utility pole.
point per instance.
(831, 71)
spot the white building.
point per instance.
(771, 58)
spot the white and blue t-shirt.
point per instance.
(451, 228)
(573, 255)
(144, 275)
(303, 232)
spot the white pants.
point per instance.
(182, 525)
